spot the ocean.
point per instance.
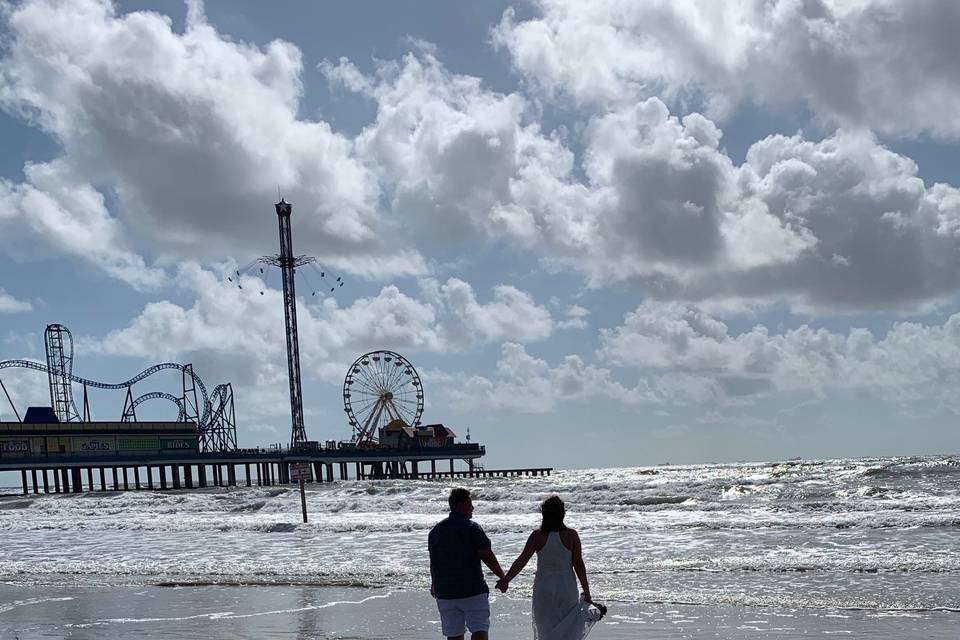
(799, 548)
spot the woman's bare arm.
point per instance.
(578, 567)
(528, 550)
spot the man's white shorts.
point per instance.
(471, 613)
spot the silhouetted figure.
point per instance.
(457, 546)
(558, 612)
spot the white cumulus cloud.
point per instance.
(9, 304)
(679, 344)
(528, 384)
(883, 64)
(189, 131)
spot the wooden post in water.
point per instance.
(303, 500)
(301, 471)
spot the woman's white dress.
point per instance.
(558, 611)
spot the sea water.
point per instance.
(865, 539)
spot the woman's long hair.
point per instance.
(552, 510)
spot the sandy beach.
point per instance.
(307, 612)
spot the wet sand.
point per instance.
(308, 612)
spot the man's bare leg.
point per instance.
(478, 635)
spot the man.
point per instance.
(457, 546)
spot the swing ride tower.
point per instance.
(288, 263)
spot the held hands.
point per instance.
(502, 585)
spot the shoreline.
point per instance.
(284, 611)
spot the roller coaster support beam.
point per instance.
(190, 406)
(86, 405)
(12, 406)
(129, 408)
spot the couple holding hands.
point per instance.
(458, 546)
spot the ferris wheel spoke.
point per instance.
(384, 373)
(395, 380)
(374, 371)
(403, 373)
(366, 393)
(367, 375)
(399, 382)
(367, 383)
(364, 404)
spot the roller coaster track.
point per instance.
(205, 418)
(154, 395)
(221, 432)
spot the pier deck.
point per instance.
(76, 474)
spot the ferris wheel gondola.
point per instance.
(381, 387)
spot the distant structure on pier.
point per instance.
(288, 263)
(212, 416)
(383, 400)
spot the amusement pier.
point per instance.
(59, 448)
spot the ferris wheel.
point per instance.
(380, 387)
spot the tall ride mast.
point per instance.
(288, 264)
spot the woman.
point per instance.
(558, 614)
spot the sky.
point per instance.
(605, 233)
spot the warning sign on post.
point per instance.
(301, 471)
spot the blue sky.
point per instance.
(605, 233)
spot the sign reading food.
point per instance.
(14, 447)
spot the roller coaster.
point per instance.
(213, 414)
